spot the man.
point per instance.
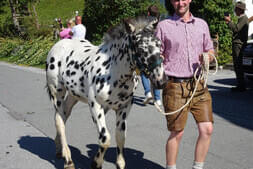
(78, 31)
(152, 11)
(239, 42)
(184, 40)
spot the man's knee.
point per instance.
(206, 128)
(177, 134)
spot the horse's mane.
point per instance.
(117, 31)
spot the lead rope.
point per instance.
(202, 76)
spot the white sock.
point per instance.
(198, 165)
(171, 167)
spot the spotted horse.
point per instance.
(104, 77)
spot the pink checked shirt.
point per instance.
(182, 43)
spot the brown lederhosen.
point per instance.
(175, 95)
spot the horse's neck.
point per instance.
(122, 66)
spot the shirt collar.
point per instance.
(241, 15)
(178, 19)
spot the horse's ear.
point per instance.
(152, 25)
(129, 26)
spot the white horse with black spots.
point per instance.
(104, 77)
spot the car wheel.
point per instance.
(250, 77)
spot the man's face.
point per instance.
(237, 11)
(181, 6)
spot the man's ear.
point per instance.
(129, 26)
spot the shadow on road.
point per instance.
(44, 147)
(41, 146)
(234, 107)
(138, 100)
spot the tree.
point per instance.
(16, 23)
(213, 11)
(100, 15)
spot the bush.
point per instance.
(26, 52)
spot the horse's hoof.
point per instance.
(70, 165)
(117, 166)
(58, 155)
(94, 165)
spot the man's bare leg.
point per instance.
(203, 143)
(172, 147)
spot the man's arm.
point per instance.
(251, 19)
(238, 27)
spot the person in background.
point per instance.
(79, 30)
(184, 39)
(152, 11)
(60, 24)
(239, 42)
(64, 34)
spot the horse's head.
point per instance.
(147, 48)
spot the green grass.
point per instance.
(48, 10)
(34, 51)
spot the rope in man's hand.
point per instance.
(203, 75)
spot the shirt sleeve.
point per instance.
(238, 27)
(62, 34)
(208, 43)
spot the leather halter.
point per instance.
(146, 69)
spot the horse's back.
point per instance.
(63, 47)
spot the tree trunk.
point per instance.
(14, 17)
(36, 17)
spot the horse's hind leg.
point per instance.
(61, 117)
(63, 106)
(121, 127)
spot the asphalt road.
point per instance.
(27, 127)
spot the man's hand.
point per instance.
(210, 56)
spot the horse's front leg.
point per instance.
(121, 128)
(104, 138)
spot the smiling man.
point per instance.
(184, 40)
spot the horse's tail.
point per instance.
(53, 66)
(49, 92)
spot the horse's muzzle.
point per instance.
(161, 83)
